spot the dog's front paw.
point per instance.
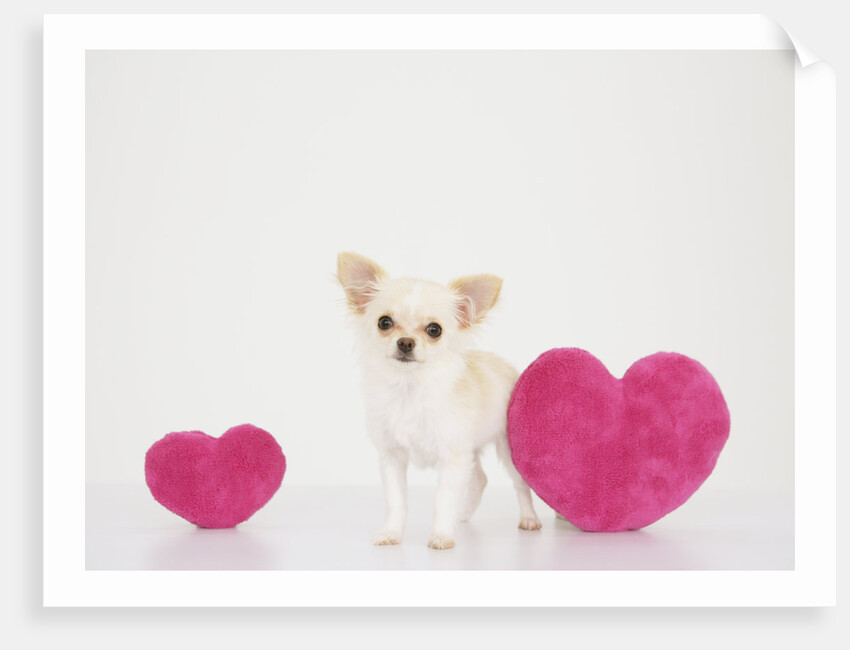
(441, 542)
(530, 523)
(387, 537)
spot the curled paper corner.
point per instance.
(805, 56)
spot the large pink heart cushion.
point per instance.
(614, 454)
(215, 482)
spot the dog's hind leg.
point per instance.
(476, 489)
(527, 516)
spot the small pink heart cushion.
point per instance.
(614, 454)
(215, 482)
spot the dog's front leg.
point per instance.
(394, 477)
(452, 492)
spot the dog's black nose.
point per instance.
(406, 344)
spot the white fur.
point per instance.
(439, 409)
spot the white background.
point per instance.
(633, 202)
(816, 23)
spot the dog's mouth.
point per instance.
(403, 358)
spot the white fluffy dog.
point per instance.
(430, 399)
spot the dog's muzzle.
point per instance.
(405, 348)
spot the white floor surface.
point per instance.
(311, 528)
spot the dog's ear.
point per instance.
(476, 294)
(359, 277)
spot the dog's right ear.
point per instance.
(359, 276)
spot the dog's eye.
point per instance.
(434, 330)
(385, 323)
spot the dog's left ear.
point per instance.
(476, 296)
(358, 276)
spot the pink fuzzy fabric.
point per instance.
(614, 454)
(215, 482)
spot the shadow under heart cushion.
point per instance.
(215, 482)
(614, 454)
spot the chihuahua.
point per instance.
(430, 398)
